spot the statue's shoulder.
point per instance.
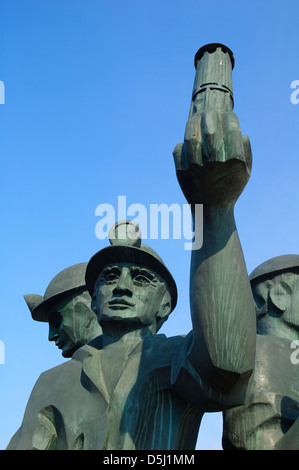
(166, 347)
(70, 368)
(164, 341)
(61, 371)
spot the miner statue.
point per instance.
(133, 388)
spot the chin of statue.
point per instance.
(122, 320)
(69, 350)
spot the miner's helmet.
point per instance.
(274, 265)
(125, 246)
(67, 282)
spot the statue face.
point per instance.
(277, 305)
(72, 323)
(130, 294)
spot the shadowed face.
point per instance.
(72, 323)
(130, 293)
(277, 305)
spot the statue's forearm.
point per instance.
(221, 302)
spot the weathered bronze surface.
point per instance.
(66, 306)
(132, 388)
(270, 418)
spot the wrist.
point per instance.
(215, 213)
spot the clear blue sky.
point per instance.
(97, 94)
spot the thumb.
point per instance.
(177, 155)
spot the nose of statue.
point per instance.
(53, 334)
(124, 284)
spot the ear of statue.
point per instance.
(164, 310)
(280, 296)
(33, 300)
(165, 307)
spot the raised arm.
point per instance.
(213, 166)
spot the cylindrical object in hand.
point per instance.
(213, 86)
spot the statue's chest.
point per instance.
(135, 391)
(121, 370)
(118, 368)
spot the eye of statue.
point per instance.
(111, 274)
(111, 277)
(143, 277)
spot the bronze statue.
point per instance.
(66, 307)
(270, 418)
(140, 389)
